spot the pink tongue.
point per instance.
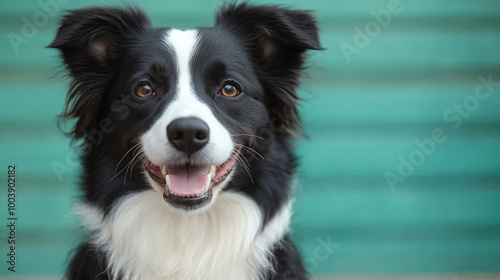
(188, 180)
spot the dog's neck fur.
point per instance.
(145, 239)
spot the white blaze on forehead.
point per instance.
(186, 103)
(184, 44)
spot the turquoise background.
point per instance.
(364, 113)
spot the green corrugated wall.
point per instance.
(405, 98)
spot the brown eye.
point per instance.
(229, 90)
(144, 91)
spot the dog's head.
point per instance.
(192, 101)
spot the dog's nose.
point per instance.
(188, 134)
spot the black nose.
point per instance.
(188, 134)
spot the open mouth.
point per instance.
(189, 186)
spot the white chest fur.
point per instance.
(145, 239)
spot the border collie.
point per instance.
(187, 157)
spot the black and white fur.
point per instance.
(241, 230)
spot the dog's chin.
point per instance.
(189, 188)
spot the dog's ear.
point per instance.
(277, 38)
(88, 40)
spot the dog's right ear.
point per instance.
(88, 40)
(91, 35)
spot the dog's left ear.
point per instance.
(278, 39)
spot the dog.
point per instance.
(186, 142)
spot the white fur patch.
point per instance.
(145, 239)
(186, 104)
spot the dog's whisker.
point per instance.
(250, 135)
(134, 162)
(244, 165)
(247, 170)
(117, 174)
(134, 148)
(246, 160)
(123, 157)
(251, 151)
(137, 148)
(131, 164)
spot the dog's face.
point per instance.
(194, 102)
(210, 100)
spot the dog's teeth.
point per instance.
(209, 182)
(212, 171)
(167, 179)
(164, 170)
